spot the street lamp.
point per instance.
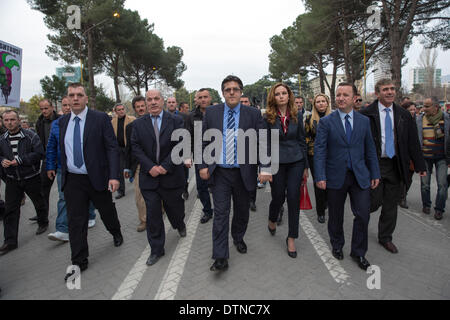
(115, 15)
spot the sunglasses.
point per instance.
(358, 100)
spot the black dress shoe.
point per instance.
(272, 231)
(33, 218)
(280, 216)
(362, 262)
(219, 265)
(292, 254)
(252, 206)
(205, 218)
(182, 232)
(7, 248)
(321, 218)
(241, 246)
(41, 229)
(118, 240)
(338, 254)
(403, 204)
(120, 195)
(154, 258)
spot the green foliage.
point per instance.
(102, 101)
(31, 108)
(53, 88)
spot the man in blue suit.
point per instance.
(160, 179)
(228, 178)
(89, 171)
(345, 161)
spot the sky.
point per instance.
(218, 38)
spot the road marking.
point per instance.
(331, 263)
(169, 285)
(426, 221)
(134, 277)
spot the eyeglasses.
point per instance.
(358, 100)
(228, 90)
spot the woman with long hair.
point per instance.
(282, 114)
(321, 107)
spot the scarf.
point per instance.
(284, 120)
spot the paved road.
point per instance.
(421, 270)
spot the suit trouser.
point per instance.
(203, 192)
(289, 177)
(77, 192)
(392, 187)
(228, 184)
(174, 207)
(360, 205)
(14, 191)
(46, 184)
(140, 202)
(319, 194)
(122, 166)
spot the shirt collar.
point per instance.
(235, 109)
(381, 107)
(158, 115)
(343, 114)
(81, 115)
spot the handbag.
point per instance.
(305, 201)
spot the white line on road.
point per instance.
(334, 267)
(131, 281)
(169, 285)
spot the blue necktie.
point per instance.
(348, 133)
(230, 154)
(389, 137)
(77, 155)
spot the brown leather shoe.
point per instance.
(426, 210)
(389, 246)
(141, 227)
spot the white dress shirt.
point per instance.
(68, 142)
(381, 108)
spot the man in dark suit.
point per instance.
(229, 178)
(396, 141)
(345, 161)
(89, 167)
(159, 177)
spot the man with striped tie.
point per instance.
(228, 178)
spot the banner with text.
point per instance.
(10, 74)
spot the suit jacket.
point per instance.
(331, 151)
(292, 145)
(100, 149)
(250, 118)
(128, 120)
(131, 162)
(143, 146)
(406, 140)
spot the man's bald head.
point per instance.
(171, 104)
(154, 102)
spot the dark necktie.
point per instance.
(155, 127)
(77, 155)
(230, 154)
(348, 133)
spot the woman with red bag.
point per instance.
(281, 114)
(321, 108)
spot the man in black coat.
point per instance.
(160, 179)
(89, 171)
(43, 125)
(396, 140)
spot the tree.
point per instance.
(102, 101)
(405, 20)
(31, 109)
(53, 88)
(427, 61)
(258, 91)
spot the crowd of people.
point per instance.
(370, 153)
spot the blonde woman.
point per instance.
(321, 107)
(282, 114)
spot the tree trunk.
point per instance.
(91, 72)
(333, 79)
(321, 74)
(116, 79)
(347, 59)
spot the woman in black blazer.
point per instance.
(281, 114)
